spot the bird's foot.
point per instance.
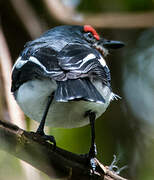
(92, 151)
(91, 156)
(49, 138)
(113, 167)
(91, 159)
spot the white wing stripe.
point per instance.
(19, 63)
(102, 61)
(35, 60)
(86, 59)
(89, 57)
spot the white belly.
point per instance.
(32, 97)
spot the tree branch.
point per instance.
(56, 163)
(33, 24)
(69, 15)
(16, 116)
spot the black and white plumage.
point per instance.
(63, 61)
(67, 61)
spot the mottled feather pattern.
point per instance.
(67, 64)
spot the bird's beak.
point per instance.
(109, 44)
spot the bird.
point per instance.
(61, 79)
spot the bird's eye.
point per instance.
(89, 29)
(90, 35)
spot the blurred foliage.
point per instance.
(99, 6)
(10, 167)
(120, 130)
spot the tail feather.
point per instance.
(77, 89)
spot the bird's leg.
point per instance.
(92, 152)
(40, 129)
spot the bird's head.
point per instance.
(101, 44)
(60, 36)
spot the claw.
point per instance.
(92, 154)
(91, 161)
(50, 139)
(93, 165)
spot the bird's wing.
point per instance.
(35, 63)
(70, 68)
(80, 63)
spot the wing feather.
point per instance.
(74, 62)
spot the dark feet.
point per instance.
(90, 161)
(91, 156)
(47, 137)
(92, 152)
(40, 129)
